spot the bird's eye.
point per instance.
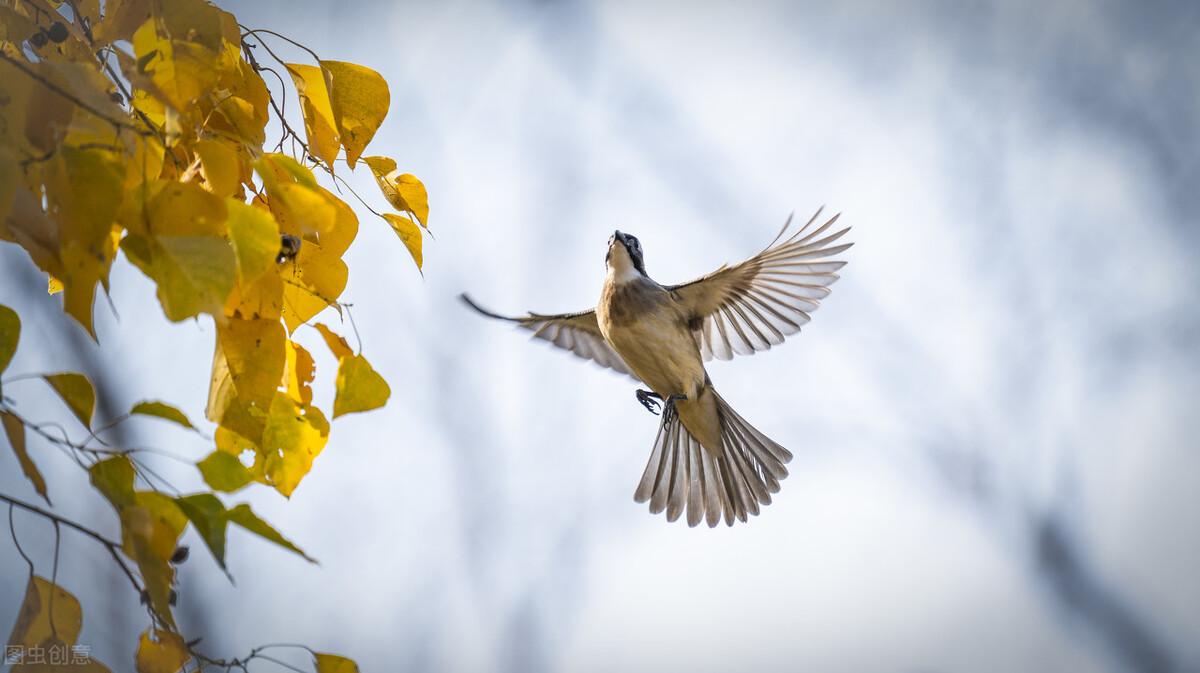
(634, 242)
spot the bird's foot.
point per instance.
(675, 398)
(650, 400)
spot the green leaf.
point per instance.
(162, 410)
(114, 478)
(243, 516)
(76, 390)
(332, 663)
(359, 387)
(15, 429)
(10, 333)
(224, 472)
(207, 514)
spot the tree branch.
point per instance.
(112, 546)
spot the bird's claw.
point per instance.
(650, 400)
(675, 398)
(653, 401)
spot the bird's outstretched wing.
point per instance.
(576, 332)
(754, 305)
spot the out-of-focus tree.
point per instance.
(138, 128)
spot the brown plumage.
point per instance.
(706, 458)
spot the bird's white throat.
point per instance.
(620, 266)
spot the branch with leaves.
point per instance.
(138, 129)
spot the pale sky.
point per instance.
(993, 414)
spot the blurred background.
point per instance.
(993, 415)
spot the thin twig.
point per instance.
(12, 529)
(112, 547)
(256, 31)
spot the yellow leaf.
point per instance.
(179, 72)
(53, 285)
(180, 242)
(16, 438)
(300, 372)
(301, 210)
(224, 472)
(167, 519)
(255, 239)
(113, 477)
(247, 368)
(84, 189)
(221, 167)
(121, 18)
(404, 191)
(162, 410)
(198, 21)
(243, 516)
(345, 226)
(337, 345)
(242, 114)
(150, 530)
(318, 111)
(183, 209)
(409, 234)
(81, 271)
(10, 333)
(360, 99)
(294, 436)
(294, 197)
(194, 274)
(246, 450)
(311, 283)
(207, 514)
(332, 663)
(359, 387)
(15, 27)
(412, 191)
(29, 227)
(164, 653)
(16, 95)
(10, 177)
(48, 612)
(76, 390)
(262, 298)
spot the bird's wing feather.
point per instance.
(576, 332)
(754, 305)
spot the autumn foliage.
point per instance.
(138, 129)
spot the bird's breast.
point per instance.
(645, 327)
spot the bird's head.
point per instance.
(624, 258)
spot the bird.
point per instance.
(706, 459)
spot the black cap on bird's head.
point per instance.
(631, 245)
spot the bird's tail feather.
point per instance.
(682, 474)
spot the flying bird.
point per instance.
(706, 458)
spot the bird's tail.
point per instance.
(736, 480)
